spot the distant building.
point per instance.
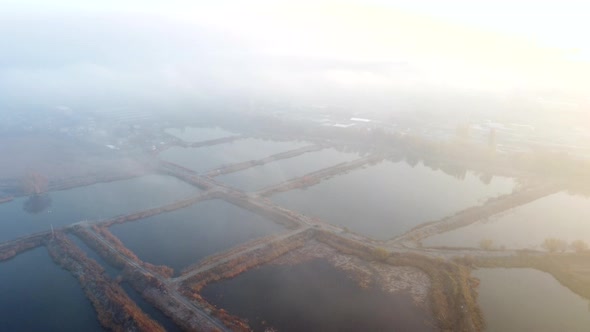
(343, 125)
(360, 120)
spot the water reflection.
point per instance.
(37, 203)
(277, 297)
(393, 197)
(529, 300)
(561, 216)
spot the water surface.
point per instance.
(183, 237)
(390, 198)
(529, 300)
(210, 157)
(258, 177)
(38, 295)
(313, 296)
(560, 215)
(98, 201)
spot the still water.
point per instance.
(183, 237)
(313, 296)
(210, 157)
(390, 198)
(98, 201)
(195, 134)
(529, 300)
(281, 170)
(38, 295)
(560, 215)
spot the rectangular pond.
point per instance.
(210, 157)
(38, 295)
(183, 237)
(28, 215)
(561, 215)
(313, 296)
(199, 134)
(515, 300)
(258, 177)
(388, 199)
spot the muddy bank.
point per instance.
(452, 294)
(116, 311)
(368, 274)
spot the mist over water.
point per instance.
(442, 137)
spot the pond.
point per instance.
(529, 300)
(210, 157)
(258, 177)
(390, 198)
(98, 201)
(314, 296)
(559, 215)
(183, 237)
(38, 295)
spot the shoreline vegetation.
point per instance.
(116, 311)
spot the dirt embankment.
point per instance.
(275, 213)
(13, 248)
(179, 204)
(180, 310)
(452, 294)
(183, 173)
(231, 168)
(112, 257)
(317, 176)
(65, 162)
(116, 311)
(6, 199)
(473, 214)
(234, 263)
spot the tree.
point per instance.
(486, 244)
(579, 246)
(381, 254)
(554, 245)
(35, 183)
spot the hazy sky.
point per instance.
(63, 50)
